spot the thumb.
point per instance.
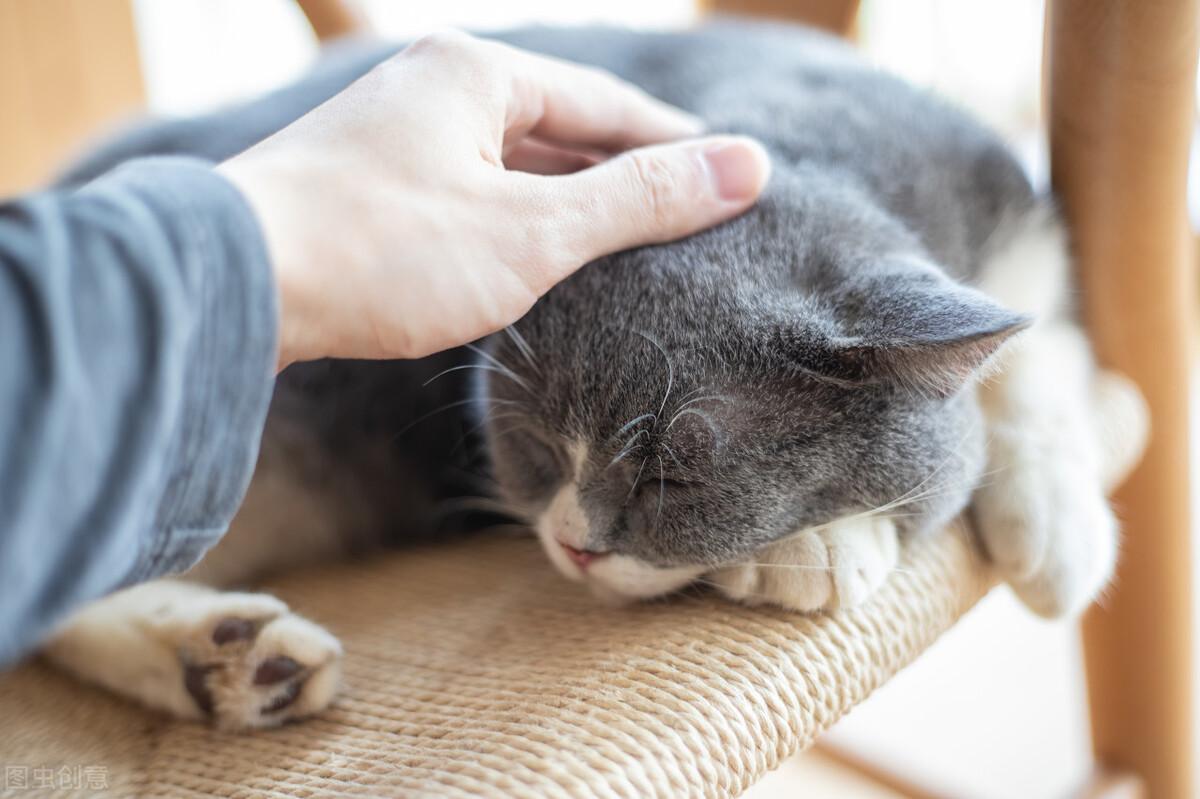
(656, 194)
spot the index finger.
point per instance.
(581, 105)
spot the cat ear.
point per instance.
(927, 334)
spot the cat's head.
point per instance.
(676, 408)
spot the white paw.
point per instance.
(1122, 422)
(839, 565)
(246, 661)
(1044, 520)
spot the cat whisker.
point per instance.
(915, 493)
(671, 452)
(670, 369)
(661, 487)
(712, 426)
(620, 456)
(482, 366)
(634, 422)
(509, 430)
(487, 417)
(637, 479)
(626, 448)
(812, 567)
(839, 520)
(774, 600)
(993, 472)
(505, 370)
(919, 492)
(449, 406)
(523, 346)
(909, 497)
(692, 393)
(450, 507)
(721, 397)
(937, 490)
(883, 511)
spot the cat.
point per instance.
(772, 407)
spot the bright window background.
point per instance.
(996, 707)
(200, 53)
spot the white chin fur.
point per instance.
(622, 577)
(614, 577)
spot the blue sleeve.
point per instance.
(137, 347)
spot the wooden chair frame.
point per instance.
(1122, 87)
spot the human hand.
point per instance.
(404, 216)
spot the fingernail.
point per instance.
(739, 169)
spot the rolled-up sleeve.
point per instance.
(137, 346)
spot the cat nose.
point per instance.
(581, 557)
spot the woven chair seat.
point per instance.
(474, 670)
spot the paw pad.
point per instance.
(276, 669)
(233, 629)
(258, 665)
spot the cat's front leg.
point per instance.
(839, 565)
(240, 660)
(1060, 434)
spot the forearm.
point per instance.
(137, 342)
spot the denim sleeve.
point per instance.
(137, 346)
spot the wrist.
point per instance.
(276, 211)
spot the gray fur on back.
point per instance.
(808, 360)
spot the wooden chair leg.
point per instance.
(835, 16)
(1121, 99)
(66, 69)
(332, 18)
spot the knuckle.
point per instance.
(442, 43)
(601, 76)
(658, 186)
(460, 60)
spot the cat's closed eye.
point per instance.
(655, 484)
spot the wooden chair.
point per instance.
(85, 52)
(636, 708)
(331, 19)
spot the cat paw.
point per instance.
(1045, 523)
(247, 661)
(1122, 421)
(840, 565)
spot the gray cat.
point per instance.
(772, 407)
